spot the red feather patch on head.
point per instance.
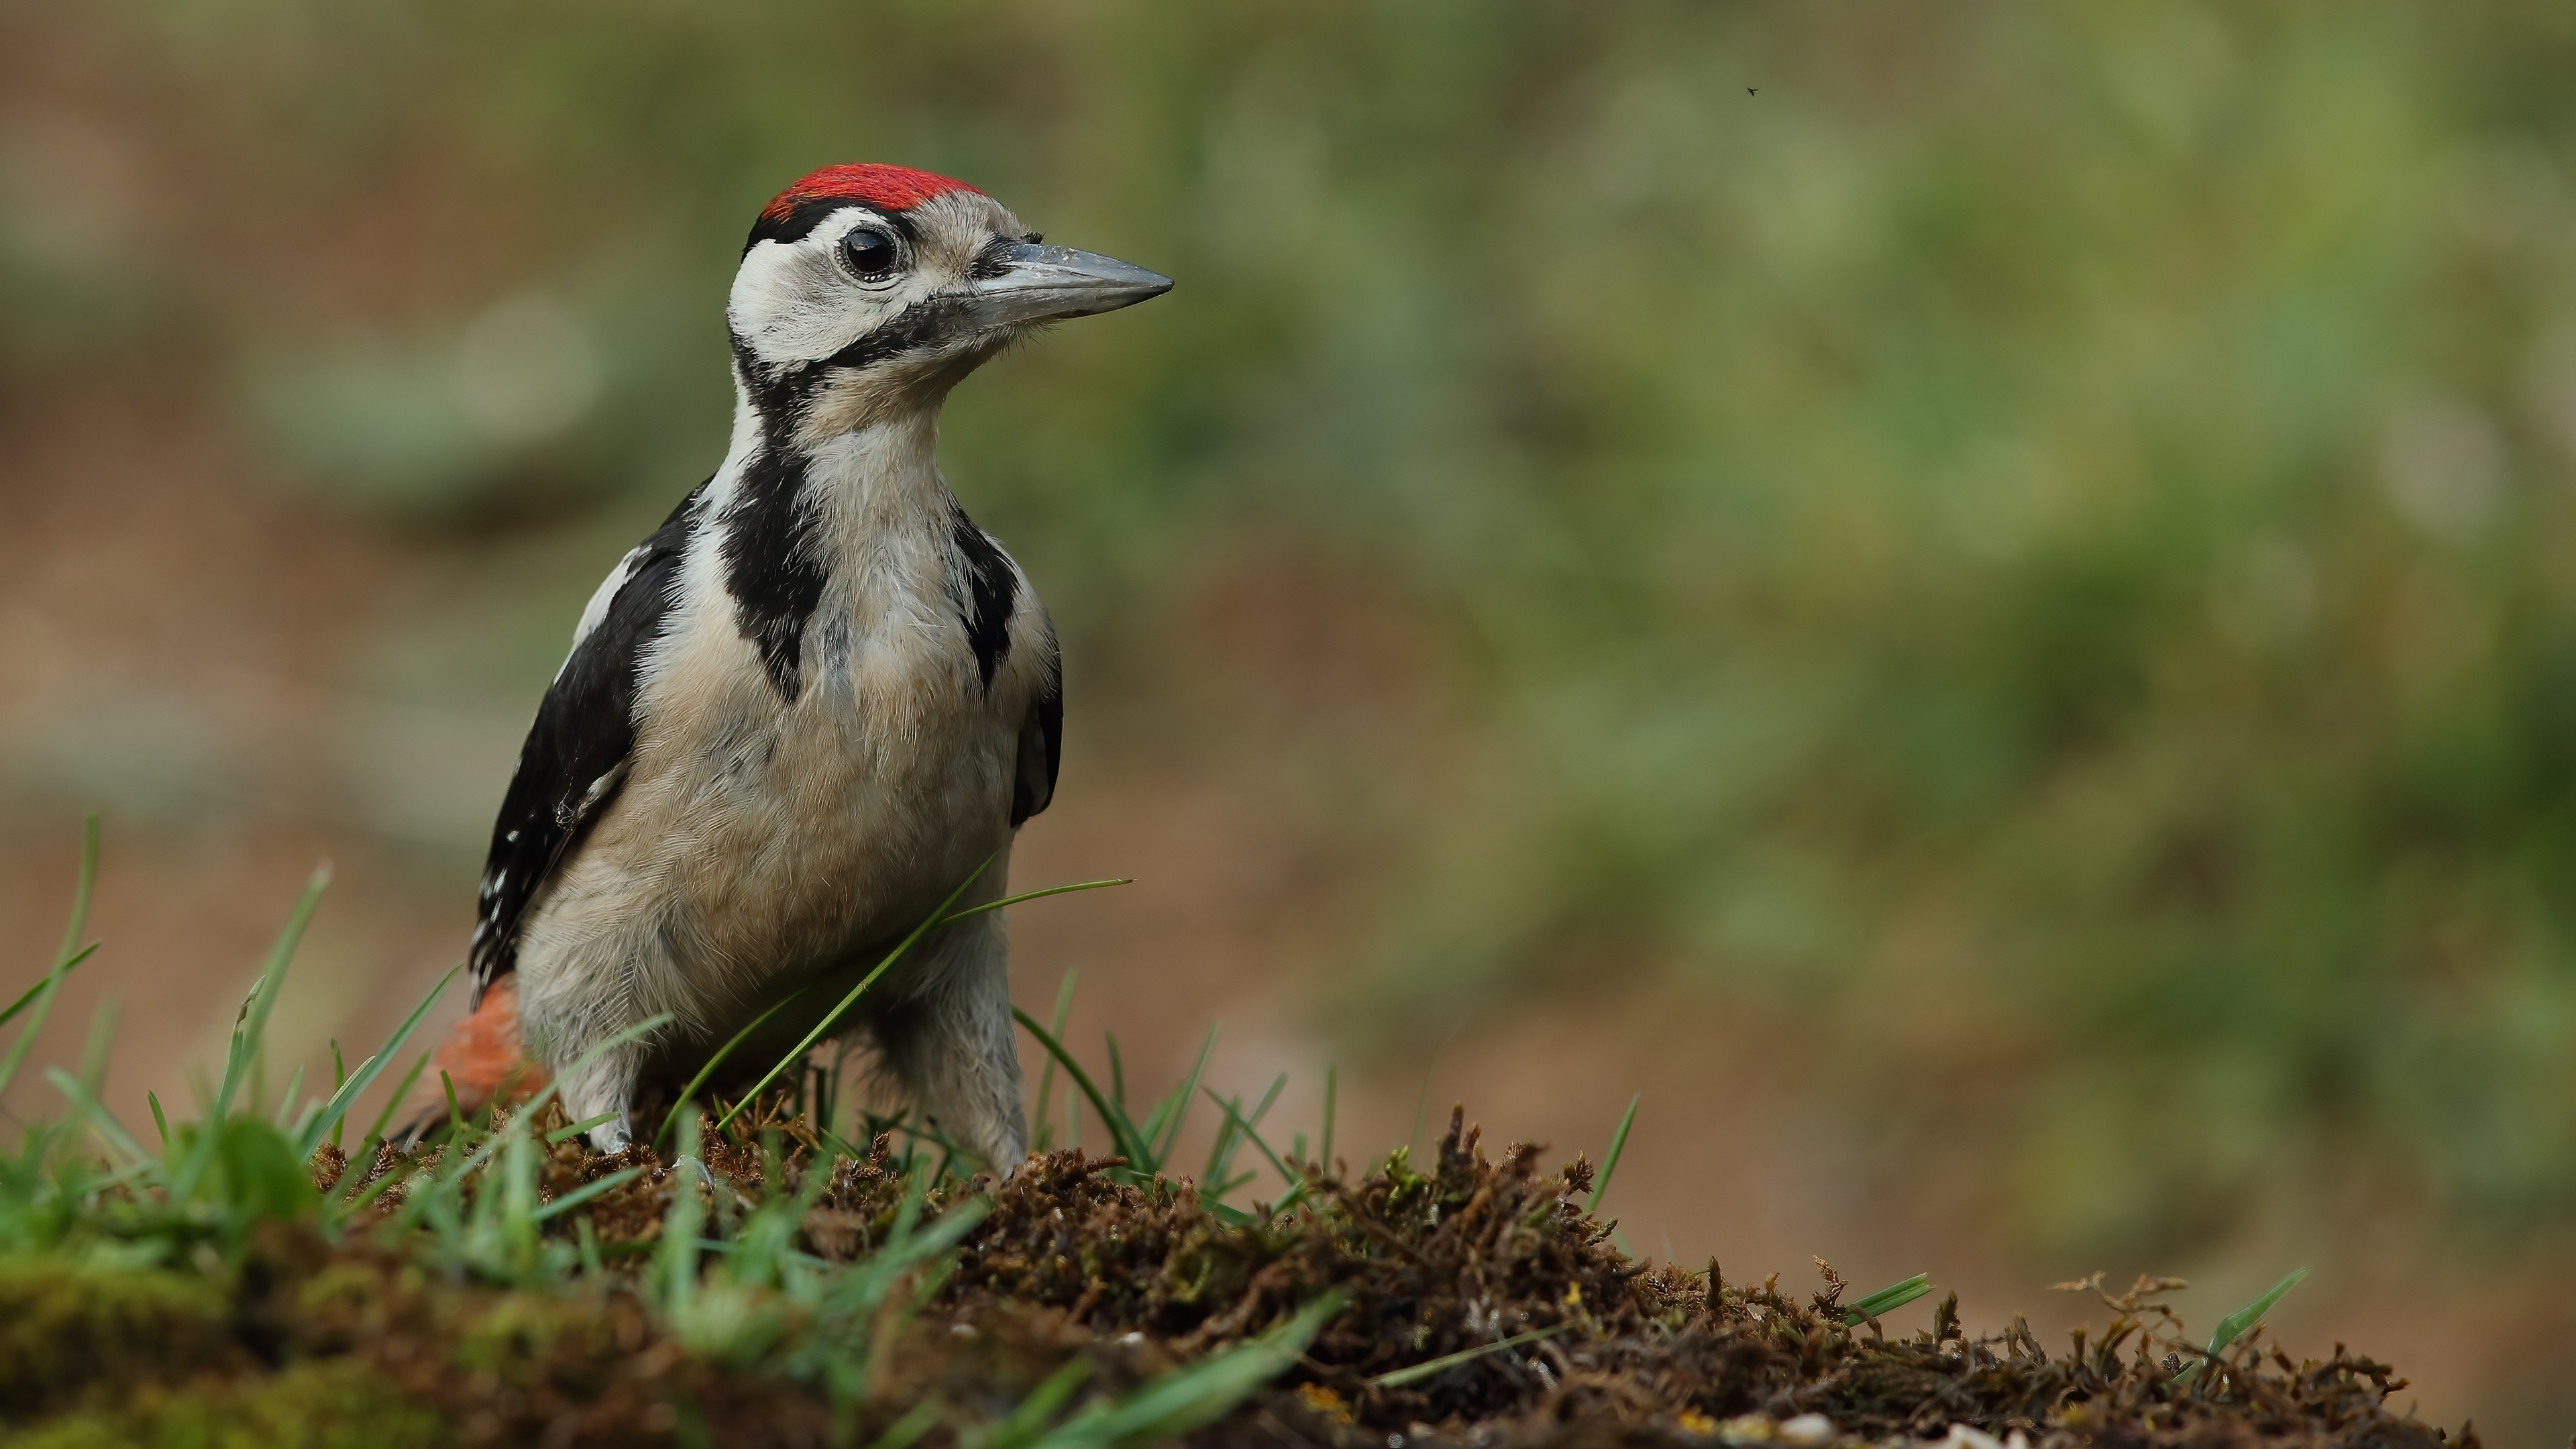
(887, 188)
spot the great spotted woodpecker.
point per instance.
(807, 706)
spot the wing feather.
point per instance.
(1041, 749)
(577, 751)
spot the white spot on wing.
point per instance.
(601, 788)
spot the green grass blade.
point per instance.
(1023, 1425)
(453, 1169)
(2234, 1325)
(28, 996)
(1610, 1160)
(1220, 1152)
(366, 1196)
(1182, 1099)
(84, 885)
(566, 1134)
(690, 1092)
(1117, 1073)
(248, 1030)
(285, 1113)
(601, 1048)
(907, 1431)
(585, 1193)
(1046, 1077)
(1400, 1377)
(100, 1119)
(1330, 1073)
(1024, 896)
(1254, 1137)
(346, 1095)
(1888, 1299)
(253, 1031)
(1121, 1131)
(824, 1027)
(339, 1079)
(102, 1035)
(948, 1150)
(675, 1266)
(493, 1141)
(1199, 1394)
(159, 1121)
(393, 1104)
(1229, 1141)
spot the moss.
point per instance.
(70, 1320)
(320, 1343)
(339, 1404)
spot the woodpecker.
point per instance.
(804, 709)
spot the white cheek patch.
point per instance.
(793, 303)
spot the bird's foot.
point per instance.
(610, 1137)
(697, 1166)
(719, 1189)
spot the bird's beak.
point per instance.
(1041, 284)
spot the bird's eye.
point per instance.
(870, 252)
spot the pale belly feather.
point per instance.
(757, 840)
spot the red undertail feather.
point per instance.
(888, 188)
(483, 1056)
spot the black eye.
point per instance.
(869, 252)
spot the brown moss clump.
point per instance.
(1472, 1252)
(69, 1324)
(315, 1343)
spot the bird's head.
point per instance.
(867, 290)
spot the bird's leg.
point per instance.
(606, 1085)
(952, 1048)
(567, 1008)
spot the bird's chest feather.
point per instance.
(778, 825)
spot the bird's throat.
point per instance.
(801, 507)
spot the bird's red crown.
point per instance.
(888, 188)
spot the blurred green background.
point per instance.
(2005, 576)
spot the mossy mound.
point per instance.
(308, 1342)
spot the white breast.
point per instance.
(756, 835)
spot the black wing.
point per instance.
(986, 596)
(1041, 746)
(576, 754)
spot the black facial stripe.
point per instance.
(804, 216)
(776, 388)
(910, 330)
(799, 222)
(780, 389)
(986, 593)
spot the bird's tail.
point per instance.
(483, 1059)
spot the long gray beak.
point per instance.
(1040, 284)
